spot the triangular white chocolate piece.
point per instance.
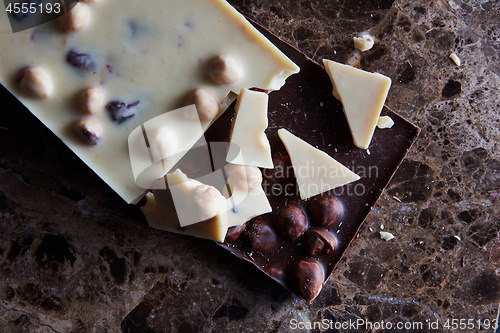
(316, 172)
(362, 95)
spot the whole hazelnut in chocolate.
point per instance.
(91, 100)
(36, 82)
(275, 272)
(225, 69)
(325, 211)
(306, 279)
(318, 241)
(282, 172)
(206, 104)
(291, 222)
(259, 236)
(76, 19)
(89, 131)
(233, 234)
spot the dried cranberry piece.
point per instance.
(81, 61)
(120, 111)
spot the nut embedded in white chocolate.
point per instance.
(36, 82)
(89, 131)
(207, 201)
(206, 104)
(225, 69)
(76, 19)
(163, 143)
(244, 177)
(91, 100)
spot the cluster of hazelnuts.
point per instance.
(291, 226)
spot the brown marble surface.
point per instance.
(74, 258)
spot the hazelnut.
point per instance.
(233, 234)
(163, 143)
(306, 279)
(207, 200)
(319, 241)
(259, 236)
(76, 19)
(89, 131)
(206, 104)
(225, 69)
(291, 222)
(91, 100)
(244, 177)
(325, 211)
(36, 82)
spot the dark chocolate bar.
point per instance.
(301, 241)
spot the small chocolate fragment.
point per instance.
(282, 172)
(319, 241)
(291, 222)
(259, 235)
(233, 234)
(306, 279)
(325, 211)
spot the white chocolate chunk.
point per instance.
(243, 206)
(455, 59)
(151, 52)
(316, 172)
(363, 43)
(362, 95)
(247, 132)
(171, 209)
(385, 122)
(387, 236)
(162, 213)
(36, 82)
(76, 19)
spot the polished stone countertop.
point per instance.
(73, 257)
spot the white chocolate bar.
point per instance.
(148, 56)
